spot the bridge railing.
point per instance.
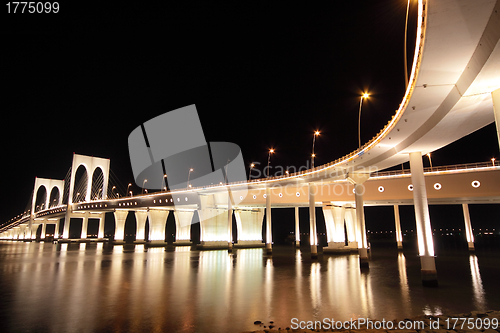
(480, 165)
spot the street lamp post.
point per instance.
(430, 161)
(130, 184)
(164, 182)
(117, 194)
(313, 155)
(365, 95)
(189, 174)
(250, 171)
(493, 161)
(271, 151)
(144, 182)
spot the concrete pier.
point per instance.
(313, 236)
(423, 221)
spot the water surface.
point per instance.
(100, 287)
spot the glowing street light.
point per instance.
(130, 184)
(313, 155)
(250, 171)
(365, 95)
(271, 151)
(144, 182)
(189, 174)
(117, 194)
(164, 182)
(493, 161)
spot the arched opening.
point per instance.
(41, 199)
(54, 197)
(92, 228)
(38, 233)
(170, 229)
(75, 228)
(97, 184)
(195, 229)
(234, 229)
(50, 229)
(146, 230)
(80, 184)
(130, 228)
(109, 226)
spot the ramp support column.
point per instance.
(423, 221)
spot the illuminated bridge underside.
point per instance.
(456, 67)
(444, 187)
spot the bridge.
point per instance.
(453, 91)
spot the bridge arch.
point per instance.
(97, 184)
(49, 188)
(40, 199)
(55, 197)
(80, 183)
(97, 170)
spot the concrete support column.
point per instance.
(29, 228)
(157, 224)
(120, 217)
(67, 220)
(495, 95)
(34, 229)
(183, 220)
(22, 228)
(399, 235)
(141, 217)
(361, 230)
(334, 221)
(213, 222)
(350, 223)
(297, 227)
(249, 225)
(313, 236)
(85, 224)
(468, 227)
(230, 225)
(269, 237)
(102, 220)
(44, 228)
(56, 229)
(423, 221)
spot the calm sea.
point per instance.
(99, 287)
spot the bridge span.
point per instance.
(454, 90)
(458, 184)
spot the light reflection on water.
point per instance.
(97, 287)
(477, 284)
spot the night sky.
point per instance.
(261, 76)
